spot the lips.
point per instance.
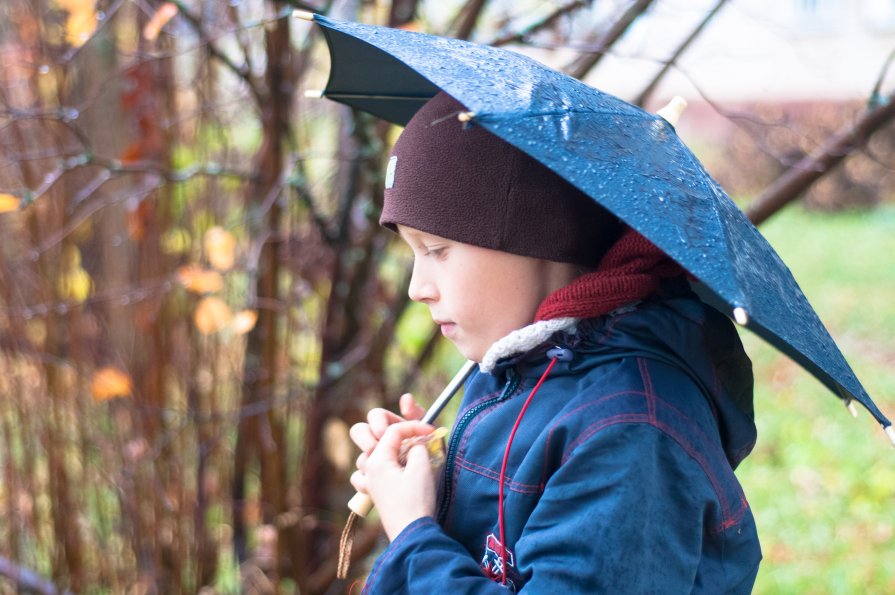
(447, 327)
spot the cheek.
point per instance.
(499, 306)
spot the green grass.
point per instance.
(822, 484)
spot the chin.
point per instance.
(470, 353)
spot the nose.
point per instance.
(422, 287)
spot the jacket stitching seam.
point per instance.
(728, 518)
(487, 472)
(648, 388)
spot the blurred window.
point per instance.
(816, 16)
(879, 15)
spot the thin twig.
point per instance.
(468, 17)
(542, 24)
(651, 87)
(585, 63)
(242, 71)
(26, 579)
(808, 170)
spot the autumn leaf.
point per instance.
(212, 315)
(244, 321)
(9, 202)
(199, 280)
(81, 21)
(220, 248)
(165, 13)
(337, 445)
(75, 285)
(176, 241)
(109, 383)
(412, 26)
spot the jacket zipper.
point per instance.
(511, 386)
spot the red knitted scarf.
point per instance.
(631, 270)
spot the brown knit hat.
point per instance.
(460, 182)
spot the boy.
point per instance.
(594, 449)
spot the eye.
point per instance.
(436, 251)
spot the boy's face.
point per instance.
(477, 295)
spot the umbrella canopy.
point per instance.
(630, 161)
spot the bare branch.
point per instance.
(586, 62)
(648, 91)
(469, 17)
(107, 18)
(542, 24)
(240, 70)
(876, 94)
(27, 579)
(803, 174)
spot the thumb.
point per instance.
(410, 409)
(418, 458)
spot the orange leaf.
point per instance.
(411, 26)
(212, 315)
(199, 280)
(244, 321)
(132, 153)
(109, 383)
(9, 202)
(220, 248)
(81, 21)
(165, 13)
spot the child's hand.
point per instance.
(402, 493)
(366, 435)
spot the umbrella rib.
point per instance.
(531, 114)
(383, 97)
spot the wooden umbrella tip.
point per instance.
(304, 15)
(671, 113)
(890, 432)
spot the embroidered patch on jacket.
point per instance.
(390, 172)
(492, 564)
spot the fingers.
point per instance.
(380, 419)
(367, 435)
(386, 451)
(418, 458)
(359, 482)
(362, 435)
(410, 409)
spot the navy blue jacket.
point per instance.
(620, 477)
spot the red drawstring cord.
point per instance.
(503, 472)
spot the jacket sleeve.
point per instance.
(623, 513)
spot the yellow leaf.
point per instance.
(81, 21)
(165, 13)
(75, 285)
(211, 315)
(176, 241)
(220, 248)
(244, 321)
(9, 202)
(199, 280)
(109, 383)
(337, 445)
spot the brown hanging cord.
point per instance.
(345, 545)
(361, 504)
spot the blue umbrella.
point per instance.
(630, 161)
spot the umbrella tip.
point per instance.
(465, 116)
(671, 113)
(303, 15)
(741, 316)
(890, 432)
(851, 408)
(314, 93)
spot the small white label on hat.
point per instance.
(390, 172)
